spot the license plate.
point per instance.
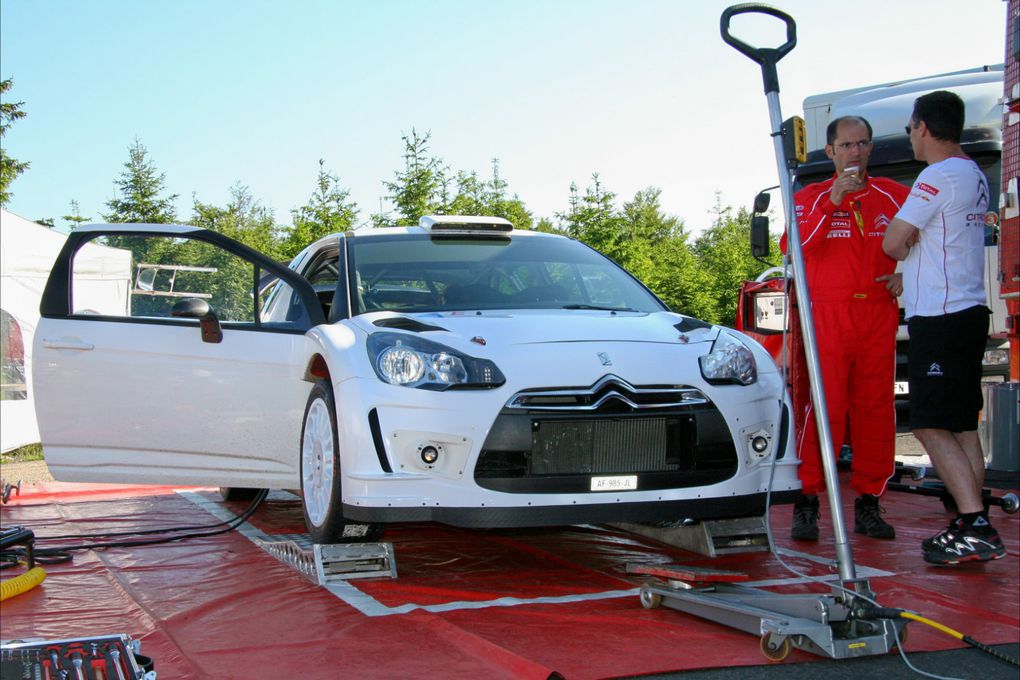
(618, 483)
(901, 387)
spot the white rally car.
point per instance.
(459, 371)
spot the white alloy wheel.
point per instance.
(320, 466)
(317, 464)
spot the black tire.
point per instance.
(321, 502)
(323, 511)
(238, 493)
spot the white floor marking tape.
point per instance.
(369, 606)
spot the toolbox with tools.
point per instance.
(109, 657)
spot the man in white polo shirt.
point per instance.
(939, 235)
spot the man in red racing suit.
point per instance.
(853, 292)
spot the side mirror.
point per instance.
(196, 308)
(761, 202)
(760, 233)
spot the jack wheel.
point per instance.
(650, 600)
(1010, 503)
(775, 651)
(901, 637)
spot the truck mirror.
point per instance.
(761, 202)
(769, 310)
(760, 235)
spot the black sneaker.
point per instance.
(868, 518)
(965, 544)
(805, 519)
(940, 538)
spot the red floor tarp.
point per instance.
(466, 604)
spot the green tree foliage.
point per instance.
(329, 210)
(416, 190)
(243, 219)
(10, 168)
(138, 192)
(679, 280)
(655, 248)
(489, 197)
(724, 252)
(593, 220)
(644, 240)
(75, 216)
(547, 225)
(644, 229)
(700, 278)
(426, 187)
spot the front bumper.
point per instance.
(555, 515)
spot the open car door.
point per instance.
(155, 362)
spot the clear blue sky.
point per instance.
(252, 92)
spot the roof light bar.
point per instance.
(465, 224)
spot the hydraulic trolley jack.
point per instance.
(845, 622)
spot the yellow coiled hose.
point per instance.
(20, 584)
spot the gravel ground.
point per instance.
(32, 471)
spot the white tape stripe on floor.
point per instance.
(369, 606)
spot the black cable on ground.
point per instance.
(56, 555)
(255, 503)
(890, 613)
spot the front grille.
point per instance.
(554, 441)
(609, 445)
(607, 391)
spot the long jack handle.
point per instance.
(767, 58)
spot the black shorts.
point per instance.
(944, 363)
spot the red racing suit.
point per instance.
(855, 326)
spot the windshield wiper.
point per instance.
(597, 307)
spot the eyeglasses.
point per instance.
(908, 127)
(846, 146)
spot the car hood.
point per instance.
(542, 327)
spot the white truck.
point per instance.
(887, 107)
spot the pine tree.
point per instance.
(243, 219)
(724, 252)
(138, 192)
(416, 191)
(593, 219)
(10, 168)
(75, 217)
(329, 210)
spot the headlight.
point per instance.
(408, 360)
(730, 361)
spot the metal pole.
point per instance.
(767, 58)
(844, 554)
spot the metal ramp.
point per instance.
(710, 537)
(332, 562)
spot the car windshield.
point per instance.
(422, 273)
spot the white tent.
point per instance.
(27, 252)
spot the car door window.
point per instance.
(144, 276)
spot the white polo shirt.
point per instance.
(944, 272)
